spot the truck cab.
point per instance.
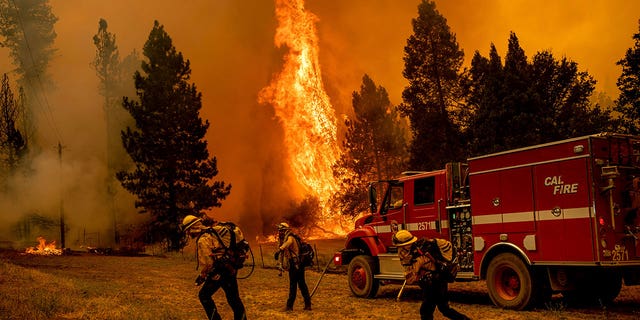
(415, 201)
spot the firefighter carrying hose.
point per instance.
(420, 268)
(288, 254)
(215, 272)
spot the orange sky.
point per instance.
(230, 46)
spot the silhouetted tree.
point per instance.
(106, 63)
(484, 132)
(173, 171)
(433, 63)
(628, 103)
(115, 79)
(521, 103)
(27, 30)
(373, 149)
(12, 144)
(563, 94)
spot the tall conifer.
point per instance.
(173, 174)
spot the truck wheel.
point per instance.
(509, 282)
(360, 274)
(608, 287)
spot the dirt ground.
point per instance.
(161, 287)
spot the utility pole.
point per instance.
(62, 243)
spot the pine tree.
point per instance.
(12, 143)
(173, 171)
(484, 132)
(433, 63)
(563, 93)
(112, 74)
(27, 30)
(106, 63)
(628, 103)
(373, 148)
(524, 103)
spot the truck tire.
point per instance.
(360, 274)
(608, 287)
(510, 282)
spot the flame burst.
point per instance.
(302, 105)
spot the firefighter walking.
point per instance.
(288, 254)
(215, 271)
(420, 268)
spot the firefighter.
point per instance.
(287, 254)
(420, 268)
(215, 273)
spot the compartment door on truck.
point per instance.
(502, 200)
(563, 211)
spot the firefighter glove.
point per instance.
(199, 280)
(426, 280)
(276, 255)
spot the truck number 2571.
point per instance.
(423, 225)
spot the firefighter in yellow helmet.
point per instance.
(288, 253)
(420, 268)
(214, 273)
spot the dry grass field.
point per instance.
(90, 286)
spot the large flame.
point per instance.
(303, 107)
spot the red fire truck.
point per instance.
(556, 217)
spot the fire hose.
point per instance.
(253, 266)
(321, 276)
(401, 289)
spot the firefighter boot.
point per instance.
(307, 305)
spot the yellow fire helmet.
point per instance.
(283, 226)
(189, 221)
(403, 238)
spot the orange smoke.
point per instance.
(300, 102)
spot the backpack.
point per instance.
(307, 255)
(446, 258)
(237, 250)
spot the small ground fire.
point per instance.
(44, 248)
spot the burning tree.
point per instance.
(173, 171)
(305, 112)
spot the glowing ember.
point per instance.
(300, 102)
(45, 249)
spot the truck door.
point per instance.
(392, 210)
(428, 205)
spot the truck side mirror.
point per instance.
(373, 198)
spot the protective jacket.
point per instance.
(210, 251)
(290, 251)
(416, 264)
